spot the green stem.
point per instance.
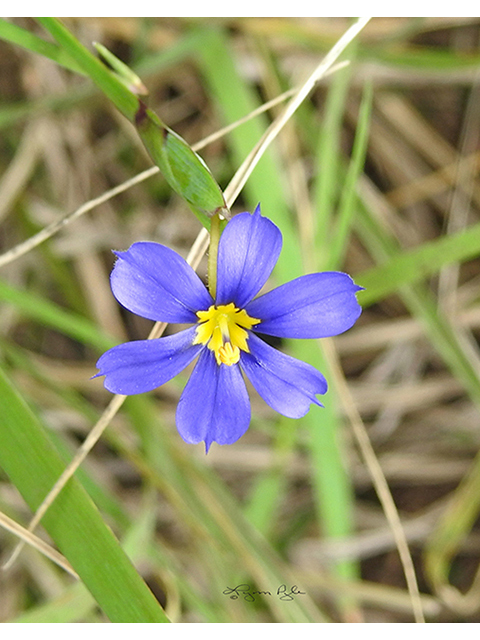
(213, 253)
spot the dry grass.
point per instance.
(420, 183)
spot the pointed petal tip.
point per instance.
(289, 386)
(118, 254)
(214, 406)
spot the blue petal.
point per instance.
(248, 250)
(155, 282)
(318, 305)
(214, 405)
(286, 384)
(143, 365)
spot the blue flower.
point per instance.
(153, 281)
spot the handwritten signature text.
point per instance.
(247, 593)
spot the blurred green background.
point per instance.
(376, 175)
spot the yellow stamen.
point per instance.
(223, 330)
(229, 355)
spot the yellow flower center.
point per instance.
(224, 329)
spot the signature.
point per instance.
(245, 592)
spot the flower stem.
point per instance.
(213, 253)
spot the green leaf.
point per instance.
(73, 522)
(183, 169)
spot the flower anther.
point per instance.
(223, 329)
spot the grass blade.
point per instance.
(73, 522)
(409, 267)
(17, 35)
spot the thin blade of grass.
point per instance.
(412, 266)
(326, 187)
(35, 542)
(17, 35)
(52, 315)
(446, 540)
(333, 489)
(349, 197)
